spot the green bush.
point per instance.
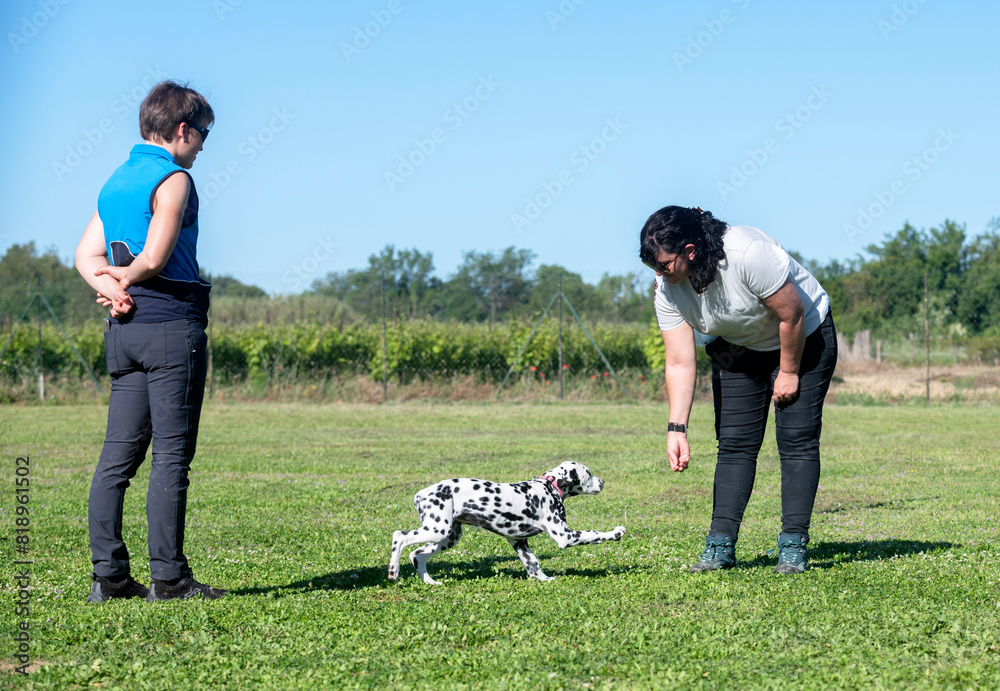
(986, 349)
(416, 350)
(652, 346)
(21, 355)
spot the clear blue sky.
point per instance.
(601, 112)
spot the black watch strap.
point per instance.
(677, 427)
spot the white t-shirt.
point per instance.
(755, 267)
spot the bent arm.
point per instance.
(91, 255)
(786, 304)
(165, 227)
(90, 260)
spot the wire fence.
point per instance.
(293, 352)
(311, 348)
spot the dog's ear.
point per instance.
(561, 471)
(571, 478)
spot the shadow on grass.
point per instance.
(823, 555)
(349, 579)
(375, 576)
(901, 504)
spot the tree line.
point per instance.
(881, 290)
(487, 287)
(885, 291)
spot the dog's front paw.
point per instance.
(393, 576)
(618, 533)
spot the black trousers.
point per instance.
(742, 386)
(157, 386)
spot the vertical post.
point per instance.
(211, 367)
(559, 298)
(385, 382)
(41, 376)
(927, 336)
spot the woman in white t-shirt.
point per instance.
(766, 324)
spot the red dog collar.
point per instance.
(553, 481)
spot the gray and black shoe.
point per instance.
(104, 589)
(720, 553)
(791, 553)
(184, 589)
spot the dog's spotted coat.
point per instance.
(516, 511)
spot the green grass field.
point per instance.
(292, 508)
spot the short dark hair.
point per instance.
(672, 228)
(167, 105)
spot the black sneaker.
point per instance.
(791, 553)
(720, 553)
(104, 589)
(184, 589)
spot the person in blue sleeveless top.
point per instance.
(147, 224)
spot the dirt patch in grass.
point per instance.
(886, 383)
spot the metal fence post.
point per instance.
(559, 284)
(927, 337)
(385, 382)
(211, 360)
(41, 375)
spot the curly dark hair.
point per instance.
(672, 228)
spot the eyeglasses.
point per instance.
(203, 131)
(660, 268)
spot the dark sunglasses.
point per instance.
(203, 131)
(659, 268)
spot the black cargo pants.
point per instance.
(157, 386)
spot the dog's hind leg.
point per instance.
(401, 539)
(432, 529)
(529, 559)
(419, 557)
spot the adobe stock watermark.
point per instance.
(913, 169)
(125, 104)
(714, 28)
(224, 7)
(301, 274)
(248, 150)
(365, 33)
(22, 562)
(900, 15)
(454, 117)
(786, 126)
(31, 25)
(562, 13)
(580, 160)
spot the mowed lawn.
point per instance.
(292, 507)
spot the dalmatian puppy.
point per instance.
(516, 511)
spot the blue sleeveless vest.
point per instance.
(125, 206)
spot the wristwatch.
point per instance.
(677, 427)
